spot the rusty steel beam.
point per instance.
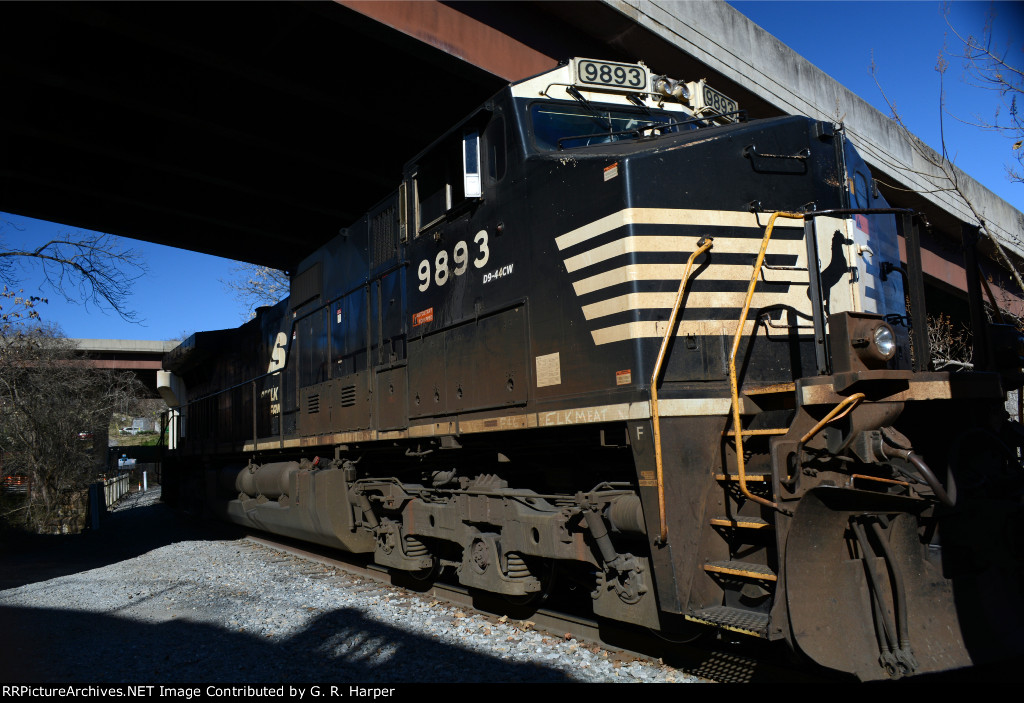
(458, 34)
(946, 269)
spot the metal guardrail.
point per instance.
(115, 488)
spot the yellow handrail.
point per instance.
(734, 385)
(703, 245)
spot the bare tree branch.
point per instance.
(52, 406)
(254, 286)
(949, 345)
(947, 176)
(986, 66)
(91, 268)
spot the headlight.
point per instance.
(672, 88)
(861, 341)
(885, 342)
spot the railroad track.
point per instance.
(713, 660)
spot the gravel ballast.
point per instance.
(149, 598)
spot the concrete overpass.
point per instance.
(255, 131)
(143, 357)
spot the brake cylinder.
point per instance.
(625, 514)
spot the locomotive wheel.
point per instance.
(420, 580)
(428, 574)
(537, 598)
(682, 632)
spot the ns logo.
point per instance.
(278, 355)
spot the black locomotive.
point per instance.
(607, 332)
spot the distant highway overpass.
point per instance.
(143, 357)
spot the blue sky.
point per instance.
(904, 39)
(182, 290)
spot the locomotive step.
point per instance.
(736, 477)
(756, 433)
(750, 523)
(735, 619)
(746, 569)
(782, 388)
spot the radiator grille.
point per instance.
(306, 286)
(383, 229)
(348, 396)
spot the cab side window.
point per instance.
(450, 173)
(433, 185)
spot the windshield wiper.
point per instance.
(635, 131)
(571, 90)
(741, 116)
(635, 99)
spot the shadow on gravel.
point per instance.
(58, 646)
(28, 558)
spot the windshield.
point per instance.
(578, 125)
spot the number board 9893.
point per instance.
(628, 76)
(716, 101)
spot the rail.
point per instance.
(196, 405)
(913, 274)
(703, 245)
(905, 227)
(738, 431)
